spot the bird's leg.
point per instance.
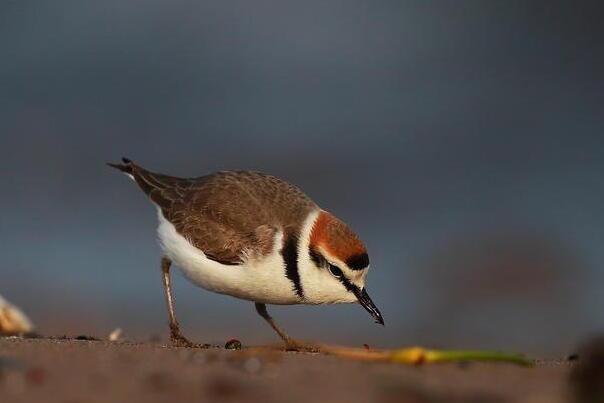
(290, 343)
(176, 337)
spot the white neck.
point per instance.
(318, 285)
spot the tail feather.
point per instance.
(161, 189)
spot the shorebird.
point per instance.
(254, 237)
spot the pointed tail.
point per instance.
(126, 167)
(161, 189)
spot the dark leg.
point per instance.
(176, 337)
(290, 344)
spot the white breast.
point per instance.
(255, 280)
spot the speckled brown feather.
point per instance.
(227, 214)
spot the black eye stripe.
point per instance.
(320, 261)
(348, 285)
(317, 258)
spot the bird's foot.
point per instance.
(178, 340)
(301, 346)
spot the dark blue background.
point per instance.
(462, 140)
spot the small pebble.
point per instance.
(86, 338)
(233, 344)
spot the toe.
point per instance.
(178, 340)
(300, 346)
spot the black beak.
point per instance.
(368, 304)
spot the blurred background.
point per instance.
(464, 142)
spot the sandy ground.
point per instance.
(79, 371)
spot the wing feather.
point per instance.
(230, 215)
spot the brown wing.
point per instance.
(227, 215)
(232, 214)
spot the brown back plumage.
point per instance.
(225, 214)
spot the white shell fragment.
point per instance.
(115, 335)
(12, 319)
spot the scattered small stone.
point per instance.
(233, 344)
(32, 335)
(86, 338)
(115, 335)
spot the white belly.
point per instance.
(261, 281)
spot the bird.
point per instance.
(255, 237)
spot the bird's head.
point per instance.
(334, 264)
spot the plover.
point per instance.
(254, 237)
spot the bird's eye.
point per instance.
(335, 271)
